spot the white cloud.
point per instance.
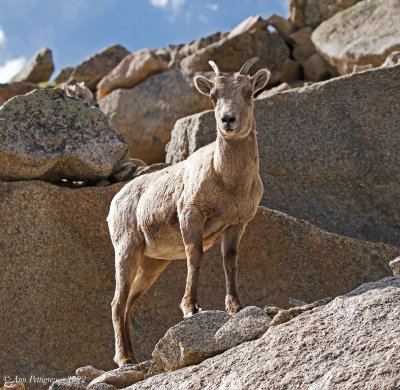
(159, 3)
(203, 18)
(11, 68)
(212, 7)
(174, 4)
(2, 38)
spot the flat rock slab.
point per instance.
(364, 34)
(328, 152)
(146, 114)
(120, 377)
(49, 136)
(350, 343)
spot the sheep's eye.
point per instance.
(213, 98)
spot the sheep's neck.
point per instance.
(236, 160)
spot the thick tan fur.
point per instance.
(182, 210)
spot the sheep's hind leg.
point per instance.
(147, 272)
(229, 246)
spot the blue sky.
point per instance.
(77, 29)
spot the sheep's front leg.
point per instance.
(192, 226)
(229, 246)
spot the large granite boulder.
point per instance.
(57, 276)
(38, 69)
(50, 136)
(231, 53)
(146, 114)
(328, 152)
(350, 343)
(364, 34)
(7, 91)
(133, 69)
(94, 68)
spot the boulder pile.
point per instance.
(328, 220)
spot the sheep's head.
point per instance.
(233, 97)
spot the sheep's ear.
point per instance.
(260, 79)
(69, 88)
(203, 85)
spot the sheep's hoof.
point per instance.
(189, 312)
(232, 305)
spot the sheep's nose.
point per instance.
(228, 119)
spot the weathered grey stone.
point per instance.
(120, 377)
(316, 11)
(48, 135)
(94, 68)
(39, 68)
(70, 383)
(252, 23)
(191, 341)
(364, 34)
(56, 257)
(350, 343)
(7, 91)
(331, 158)
(88, 372)
(125, 173)
(133, 69)
(249, 324)
(231, 53)
(146, 113)
(395, 266)
(63, 75)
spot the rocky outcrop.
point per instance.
(94, 68)
(364, 34)
(313, 12)
(252, 23)
(350, 343)
(328, 152)
(145, 114)
(38, 69)
(133, 69)
(63, 75)
(50, 136)
(231, 53)
(7, 91)
(56, 257)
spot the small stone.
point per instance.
(361, 68)
(249, 324)
(191, 341)
(14, 386)
(89, 372)
(395, 266)
(315, 68)
(272, 310)
(296, 302)
(120, 377)
(125, 173)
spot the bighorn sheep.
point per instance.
(184, 209)
(81, 91)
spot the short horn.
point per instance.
(245, 68)
(215, 67)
